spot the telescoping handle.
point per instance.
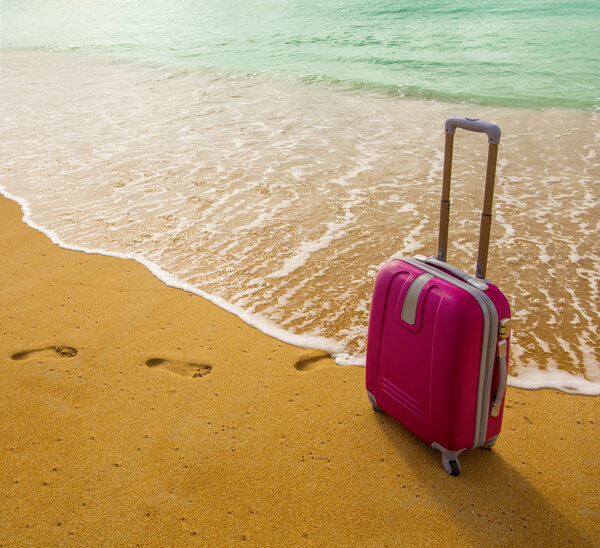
(493, 133)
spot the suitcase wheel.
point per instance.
(454, 468)
(376, 408)
(449, 459)
(451, 466)
(490, 443)
(373, 402)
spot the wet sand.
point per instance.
(132, 413)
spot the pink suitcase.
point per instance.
(438, 338)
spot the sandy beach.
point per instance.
(134, 414)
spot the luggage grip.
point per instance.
(475, 282)
(444, 266)
(495, 411)
(475, 124)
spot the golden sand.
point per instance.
(132, 413)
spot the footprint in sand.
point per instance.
(46, 352)
(313, 360)
(186, 369)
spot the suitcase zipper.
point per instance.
(488, 345)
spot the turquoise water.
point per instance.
(538, 53)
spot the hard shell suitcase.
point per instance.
(438, 338)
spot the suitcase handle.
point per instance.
(493, 133)
(474, 124)
(502, 351)
(454, 271)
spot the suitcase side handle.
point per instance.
(502, 351)
(493, 132)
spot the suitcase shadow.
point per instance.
(491, 501)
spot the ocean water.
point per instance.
(272, 156)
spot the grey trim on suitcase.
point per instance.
(411, 300)
(488, 346)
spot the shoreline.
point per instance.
(232, 220)
(270, 329)
(534, 379)
(135, 413)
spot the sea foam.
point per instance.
(279, 201)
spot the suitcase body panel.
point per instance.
(439, 375)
